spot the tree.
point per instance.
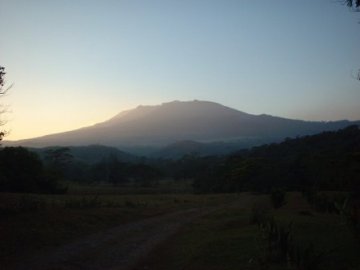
(2, 80)
(145, 175)
(57, 159)
(110, 170)
(354, 4)
(2, 92)
(115, 170)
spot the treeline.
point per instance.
(22, 170)
(327, 161)
(112, 169)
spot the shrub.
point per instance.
(280, 248)
(260, 213)
(278, 197)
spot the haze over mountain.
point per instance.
(175, 121)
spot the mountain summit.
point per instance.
(170, 122)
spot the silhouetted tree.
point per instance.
(110, 170)
(116, 170)
(2, 92)
(145, 175)
(355, 4)
(57, 159)
(2, 82)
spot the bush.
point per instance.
(278, 197)
(260, 213)
(278, 247)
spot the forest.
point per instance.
(326, 161)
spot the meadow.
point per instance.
(225, 231)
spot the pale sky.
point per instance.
(78, 62)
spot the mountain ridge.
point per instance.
(202, 121)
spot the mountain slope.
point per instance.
(178, 121)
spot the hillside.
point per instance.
(326, 161)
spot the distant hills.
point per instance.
(181, 148)
(90, 154)
(184, 125)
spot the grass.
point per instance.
(166, 186)
(31, 223)
(224, 239)
(227, 238)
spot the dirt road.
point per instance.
(118, 248)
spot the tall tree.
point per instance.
(58, 158)
(353, 4)
(2, 92)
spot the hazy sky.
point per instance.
(74, 63)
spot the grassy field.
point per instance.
(31, 223)
(225, 238)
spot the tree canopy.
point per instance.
(353, 3)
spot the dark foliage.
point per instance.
(352, 3)
(57, 161)
(22, 171)
(281, 249)
(2, 74)
(58, 157)
(2, 91)
(327, 161)
(109, 170)
(144, 175)
(278, 197)
(345, 204)
(89, 154)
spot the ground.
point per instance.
(159, 231)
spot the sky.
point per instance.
(77, 63)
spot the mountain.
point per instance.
(175, 121)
